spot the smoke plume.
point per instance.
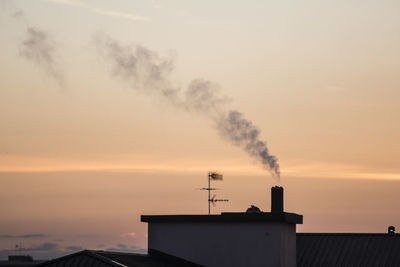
(39, 48)
(149, 73)
(204, 96)
(144, 69)
(241, 132)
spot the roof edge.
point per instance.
(347, 234)
(226, 217)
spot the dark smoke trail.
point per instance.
(203, 96)
(39, 48)
(149, 73)
(241, 132)
(136, 64)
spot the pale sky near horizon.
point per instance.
(83, 154)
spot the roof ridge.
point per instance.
(89, 253)
(118, 252)
(104, 259)
(61, 258)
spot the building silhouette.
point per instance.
(251, 238)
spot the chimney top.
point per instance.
(277, 199)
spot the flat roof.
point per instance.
(227, 217)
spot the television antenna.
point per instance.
(212, 200)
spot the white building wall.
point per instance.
(227, 244)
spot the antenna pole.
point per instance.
(214, 176)
(209, 189)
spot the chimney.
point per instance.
(277, 199)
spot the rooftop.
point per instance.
(347, 249)
(313, 249)
(231, 217)
(100, 258)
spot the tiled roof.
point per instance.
(348, 250)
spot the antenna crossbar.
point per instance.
(217, 177)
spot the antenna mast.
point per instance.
(217, 177)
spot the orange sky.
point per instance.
(82, 148)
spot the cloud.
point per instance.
(321, 169)
(101, 11)
(86, 235)
(74, 248)
(67, 2)
(127, 248)
(135, 247)
(119, 14)
(131, 234)
(45, 250)
(122, 246)
(24, 236)
(47, 246)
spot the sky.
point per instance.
(114, 109)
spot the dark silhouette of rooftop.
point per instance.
(228, 217)
(96, 258)
(346, 249)
(313, 249)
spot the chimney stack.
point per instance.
(276, 199)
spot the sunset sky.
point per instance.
(87, 144)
